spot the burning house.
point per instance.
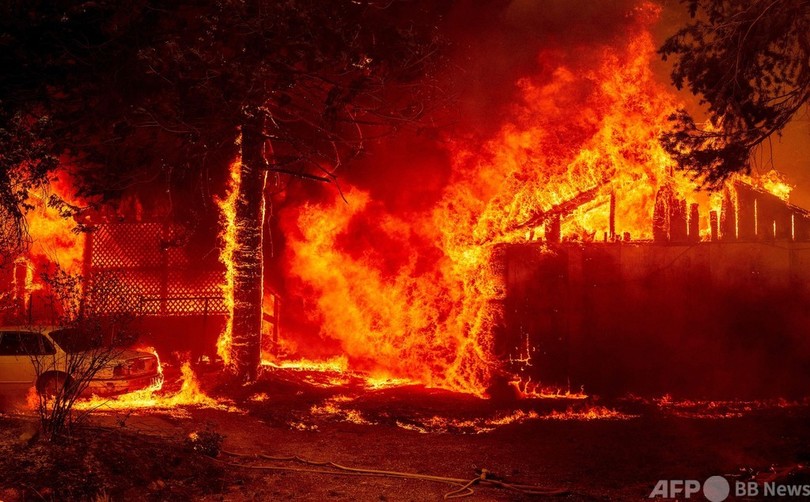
(567, 250)
(703, 310)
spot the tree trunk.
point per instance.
(248, 285)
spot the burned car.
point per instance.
(49, 358)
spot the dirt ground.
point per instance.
(554, 444)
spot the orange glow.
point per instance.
(376, 383)
(331, 408)
(334, 372)
(52, 235)
(227, 206)
(433, 323)
(28, 283)
(189, 394)
(704, 409)
(438, 424)
(775, 183)
(533, 390)
(32, 399)
(590, 413)
(337, 364)
(576, 138)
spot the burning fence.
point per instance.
(177, 297)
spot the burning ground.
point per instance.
(586, 448)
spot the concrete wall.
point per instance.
(704, 320)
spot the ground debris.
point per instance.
(101, 463)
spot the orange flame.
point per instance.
(431, 319)
(422, 300)
(533, 390)
(52, 234)
(331, 408)
(227, 207)
(189, 394)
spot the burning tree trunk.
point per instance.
(248, 267)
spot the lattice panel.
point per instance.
(136, 245)
(195, 281)
(121, 290)
(150, 273)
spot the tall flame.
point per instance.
(228, 237)
(417, 295)
(52, 234)
(429, 316)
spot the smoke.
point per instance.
(497, 45)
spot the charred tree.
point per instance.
(248, 256)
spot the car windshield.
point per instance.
(75, 340)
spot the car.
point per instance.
(47, 358)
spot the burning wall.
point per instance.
(701, 320)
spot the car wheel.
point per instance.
(51, 385)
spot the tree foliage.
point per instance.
(49, 88)
(750, 63)
(144, 92)
(324, 74)
(25, 160)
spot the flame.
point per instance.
(334, 372)
(53, 241)
(29, 284)
(260, 397)
(189, 394)
(337, 364)
(719, 409)
(53, 238)
(772, 181)
(428, 314)
(590, 413)
(331, 408)
(534, 390)
(439, 424)
(377, 383)
(227, 207)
